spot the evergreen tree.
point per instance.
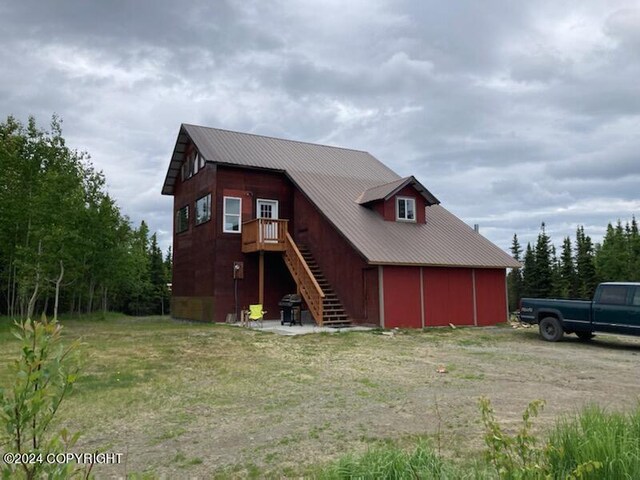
(543, 274)
(514, 278)
(528, 275)
(612, 259)
(568, 280)
(585, 265)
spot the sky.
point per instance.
(510, 113)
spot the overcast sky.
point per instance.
(511, 113)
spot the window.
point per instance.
(613, 295)
(201, 159)
(203, 209)
(231, 215)
(636, 298)
(182, 219)
(406, 209)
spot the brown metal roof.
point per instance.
(334, 179)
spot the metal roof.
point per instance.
(334, 179)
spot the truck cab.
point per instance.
(615, 308)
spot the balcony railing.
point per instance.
(264, 234)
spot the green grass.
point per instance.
(202, 400)
(594, 435)
(390, 462)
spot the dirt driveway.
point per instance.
(189, 400)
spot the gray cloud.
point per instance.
(512, 114)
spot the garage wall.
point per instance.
(491, 296)
(448, 296)
(438, 296)
(402, 297)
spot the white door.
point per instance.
(268, 209)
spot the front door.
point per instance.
(268, 209)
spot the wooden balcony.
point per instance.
(264, 234)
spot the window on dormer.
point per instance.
(405, 209)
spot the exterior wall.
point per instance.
(353, 280)
(250, 185)
(448, 296)
(402, 297)
(193, 252)
(203, 285)
(490, 296)
(460, 296)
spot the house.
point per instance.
(258, 217)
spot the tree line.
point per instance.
(65, 246)
(578, 268)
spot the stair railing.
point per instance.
(309, 288)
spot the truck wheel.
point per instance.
(550, 329)
(585, 336)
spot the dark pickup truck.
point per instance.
(615, 309)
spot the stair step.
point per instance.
(334, 313)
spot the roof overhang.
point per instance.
(176, 161)
(388, 190)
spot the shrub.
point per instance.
(42, 377)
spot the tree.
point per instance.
(514, 278)
(529, 273)
(543, 273)
(585, 265)
(568, 279)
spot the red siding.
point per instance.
(490, 296)
(347, 272)
(402, 297)
(387, 209)
(448, 296)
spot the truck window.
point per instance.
(636, 298)
(614, 294)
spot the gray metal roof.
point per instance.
(334, 179)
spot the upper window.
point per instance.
(231, 215)
(203, 209)
(614, 294)
(406, 209)
(182, 219)
(201, 161)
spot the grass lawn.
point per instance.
(200, 400)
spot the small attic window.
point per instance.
(405, 209)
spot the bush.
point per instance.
(43, 376)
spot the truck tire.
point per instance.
(585, 336)
(551, 329)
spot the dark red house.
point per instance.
(359, 243)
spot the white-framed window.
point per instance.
(406, 209)
(203, 209)
(201, 161)
(232, 215)
(182, 219)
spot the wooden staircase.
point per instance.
(333, 313)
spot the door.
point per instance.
(268, 209)
(611, 308)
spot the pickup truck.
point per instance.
(615, 308)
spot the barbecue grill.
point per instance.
(290, 312)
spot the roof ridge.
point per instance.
(278, 138)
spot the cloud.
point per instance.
(512, 114)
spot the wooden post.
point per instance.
(261, 279)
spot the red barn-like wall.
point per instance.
(402, 297)
(458, 296)
(491, 297)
